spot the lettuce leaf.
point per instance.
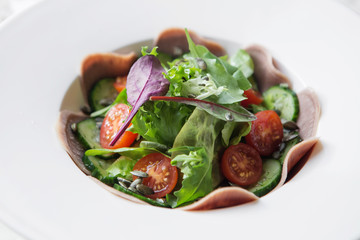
(121, 168)
(232, 132)
(242, 60)
(161, 121)
(223, 74)
(131, 152)
(195, 154)
(195, 166)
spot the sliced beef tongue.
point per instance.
(266, 73)
(103, 65)
(173, 41)
(68, 138)
(309, 114)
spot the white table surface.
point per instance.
(12, 7)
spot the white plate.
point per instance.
(43, 195)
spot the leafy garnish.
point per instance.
(152, 52)
(232, 113)
(161, 121)
(195, 153)
(222, 73)
(145, 79)
(242, 60)
(131, 152)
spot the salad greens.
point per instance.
(207, 77)
(189, 110)
(193, 154)
(145, 79)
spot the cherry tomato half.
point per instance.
(253, 97)
(266, 132)
(162, 175)
(120, 83)
(112, 123)
(241, 164)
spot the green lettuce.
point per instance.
(121, 168)
(242, 60)
(223, 74)
(132, 152)
(233, 132)
(161, 121)
(195, 153)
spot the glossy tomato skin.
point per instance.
(162, 175)
(266, 132)
(253, 97)
(241, 164)
(113, 120)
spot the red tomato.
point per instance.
(252, 98)
(162, 175)
(120, 83)
(266, 132)
(112, 123)
(241, 164)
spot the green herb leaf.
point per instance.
(242, 60)
(131, 152)
(161, 121)
(222, 73)
(153, 51)
(195, 153)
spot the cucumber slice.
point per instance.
(102, 94)
(88, 133)
(141, 197)
(289, 145)
(269, 179)
(98, 167)
(283, 99)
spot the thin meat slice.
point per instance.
(308, 121)
(70, 142)
(294, 156)
(265, 71)
(173, 41)
(102, 65)
(221, 198)
(309, 114)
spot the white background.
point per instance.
(8, 8)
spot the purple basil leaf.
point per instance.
(230, 112)
(145, 79)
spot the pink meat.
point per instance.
(265, 72)
(173, 41)
(103, 65)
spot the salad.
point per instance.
(184, 125)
